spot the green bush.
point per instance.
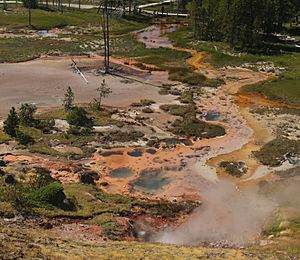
(79, 117)
(24, 139)
(11, 124)
(49, 197)
(26, 114)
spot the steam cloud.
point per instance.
(227, 214)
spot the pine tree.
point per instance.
(26, 114)
(11, 124)
(103, 92)
(241, 23)
(69, 99)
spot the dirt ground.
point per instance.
(44, 82)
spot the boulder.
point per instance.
(3, 163)
(87, 179)
(9, 179)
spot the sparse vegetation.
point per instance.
(191, 126)
(236, 169)
(103, 91)
(274, 152)
(178, 110)
(185, 75)
(143, 103)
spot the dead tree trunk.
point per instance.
(105, 32)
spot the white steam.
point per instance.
(227, 214)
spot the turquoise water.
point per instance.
(123, 172)
(151, 180)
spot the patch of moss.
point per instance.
(185, 75)
(178, 110)
(191, 126)
(214, 83)
(187, 97)
(236, 169)
(109, 225)
(143, 103)
(274, 152)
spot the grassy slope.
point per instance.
(21, 241)
(286, 88)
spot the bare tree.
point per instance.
(105, 32)
(103, 91)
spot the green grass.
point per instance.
(178, 110)
(46, 20)
(109, 225)
(192, 127)
(24, 49)
(91, 201)
(31, 131)
(272, 153)
(162, 57)
(101, 118)
(217, 50)
(286, 88)
(4, 137)
(84, 37)
(295, 224)
(58, 113)
(44, 148)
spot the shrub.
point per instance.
(45, 125)
(178, 110)
(236, 169)
(24, 139)
(79, 117)
(11, 123)
(49, 196)
(143, 103)
(26, 114)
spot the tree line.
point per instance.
(241, 23)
